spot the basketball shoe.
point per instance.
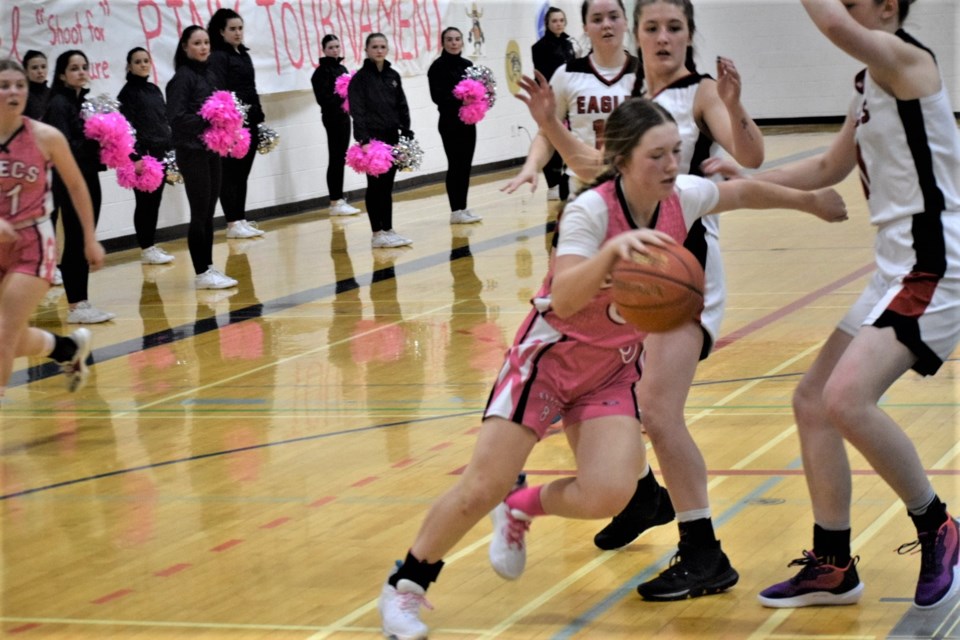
(400, 610)
(939, 573)
(692, 573)
(508, 549)
(818, 583)
(640, 514)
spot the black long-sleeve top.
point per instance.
(142, 103)
(378, 105)
(233, 71)
(37, 98)
(324, 79)
(63, 112)
(444, 74)
(550, 51)
(187, 90)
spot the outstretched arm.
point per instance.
(826, 204)
(726, 117)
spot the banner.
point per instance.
(283, 35)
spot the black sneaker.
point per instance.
(638, 516)
(692, 573)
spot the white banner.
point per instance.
(283, 35)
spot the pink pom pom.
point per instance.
(149, 179)
(112, 131)
(379, 158)
(376, 160)
(241, 144)
(357, 159)
(341, 87)
(218, 140)
(220, 109)
(470, 91)
(473, 113)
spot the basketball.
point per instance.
(660, 290)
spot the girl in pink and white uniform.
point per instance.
(29, 150)
(577, 359)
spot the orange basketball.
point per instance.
(660, 290)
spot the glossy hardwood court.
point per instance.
(251, 465)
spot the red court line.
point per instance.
(406, 462)
(169, 571)
(799, 303)
(226, 545)
(116, 595)
(442, 445)
(275, 523)
(25, 627)
(365, 481)
(322, 501)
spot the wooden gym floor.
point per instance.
(250, 466)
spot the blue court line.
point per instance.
(278, 305)
(216, 454)
(629, 587)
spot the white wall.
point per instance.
(789, 71)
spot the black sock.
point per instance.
(422, 573)
(932, 517)
(698, 534)
(832, 547)
(63, 349)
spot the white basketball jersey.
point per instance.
(586, 96)
(908, 150)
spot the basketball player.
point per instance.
(573, 327)
(28, 251)
(588, 89)
(901, 132)
(710, 117)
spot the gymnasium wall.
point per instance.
(790, 73)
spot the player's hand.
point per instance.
(723, 167)
(7, 232)
(728, 82)
(94, 253)
(539, 98)
(637, 241)
(829, 205)
(525, 175)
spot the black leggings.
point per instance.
(145, 215)
(459, 143)
(379, 200)
(201, 179)
(338, 139)
(233, 188)
(73, 263)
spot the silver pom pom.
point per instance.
(102, 103)
(267, 138)
(484, 76)
(407, 154)
(171, 168)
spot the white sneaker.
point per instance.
(86, 313)
(341, 208)
(252, 226)
(155, 255)
(57, 278)
(76, 369)
(400, 610)
(508, 551)
(464, 216)
(553, 193)
(241, 230)
(213, 279)
(401, 241)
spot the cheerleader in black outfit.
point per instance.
(335, 120)
(142, 103)
(551, 51)
(35, 64)
(459, 139)
(380, 112)
(70, 76)
(233, 71)
(191, 85)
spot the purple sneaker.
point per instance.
(939, 573)
(817, 584)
